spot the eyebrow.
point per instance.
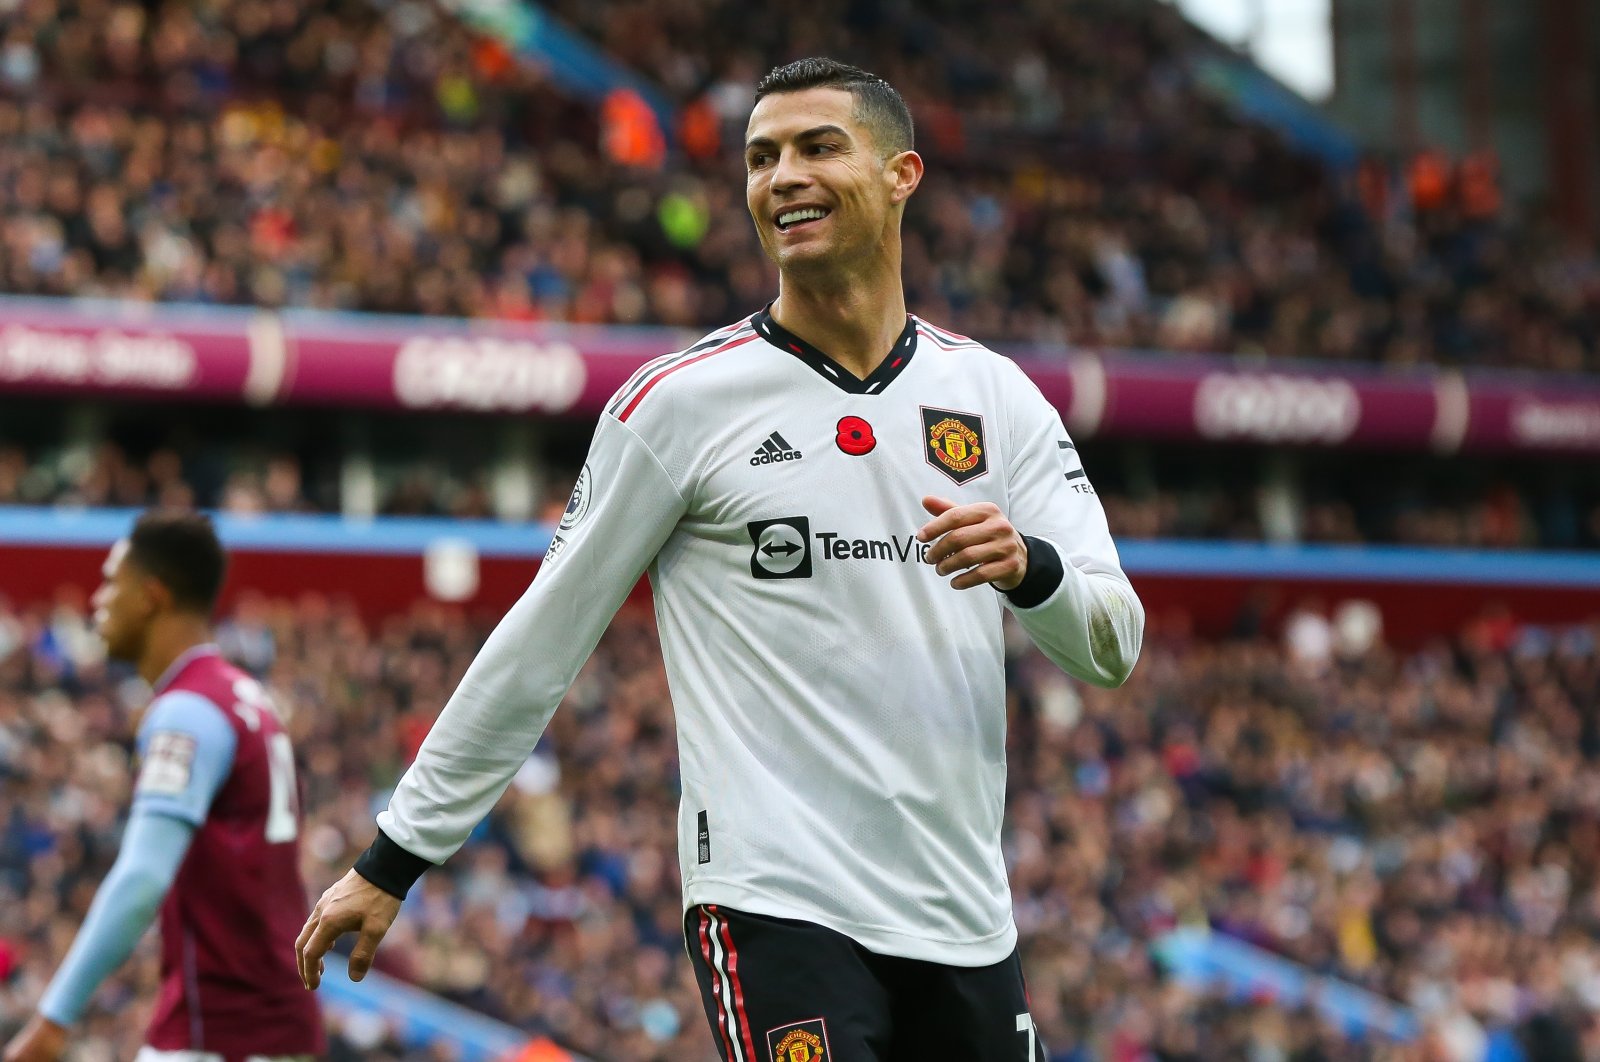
(809, 134)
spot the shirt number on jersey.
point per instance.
(282, 822)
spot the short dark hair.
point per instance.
(878, 106)
(181, 551)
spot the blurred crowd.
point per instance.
(1491, 509)
(245, 482)
(1422, 824)
(1083, 188)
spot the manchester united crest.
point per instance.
(954, 444)
(805, 1041)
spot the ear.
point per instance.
(904, 172)
(156, 595)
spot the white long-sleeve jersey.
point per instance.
(840, 708)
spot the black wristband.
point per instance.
(1044, 575)
(390, 867)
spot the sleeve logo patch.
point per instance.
(168, 764)
(955, 444)
(578, 504)
(553, 551)
(804, 1041)
(1072, 466)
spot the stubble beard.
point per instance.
(820, 266)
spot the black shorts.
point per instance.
(778, 990)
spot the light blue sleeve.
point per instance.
(153, 848)
(186, 750)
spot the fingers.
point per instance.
(365, 950)
(316, 948)
(306, 932)
(949, 517)
(328, 922)
(976, 540)
(972, 523)
(979, 553)
(987, 529)
(300, 943)
(967, 539)
(988, 553)
(1005, 574)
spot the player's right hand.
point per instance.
(352, 905)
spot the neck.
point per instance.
(855, 320)
(170, 637)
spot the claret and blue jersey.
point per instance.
(213, 840)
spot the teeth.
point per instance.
(808, 214)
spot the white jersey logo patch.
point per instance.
(168, 764)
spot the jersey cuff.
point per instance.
(1044, 575)
(390, 867)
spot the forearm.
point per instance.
(508, 695)
(480, 739)
(126, 903)
(1091, 625)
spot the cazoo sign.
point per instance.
(1276, 408)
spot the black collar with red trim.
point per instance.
(893, 364)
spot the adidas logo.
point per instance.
(776, 448)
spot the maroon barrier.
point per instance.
(372, 361)
(122, 350)
(1505, 415)
(385, 584)
(1188, 399)
(412, 363)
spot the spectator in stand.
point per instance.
(1422, 824)
(383, 157)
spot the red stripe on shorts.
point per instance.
(738, 987)
(716, 985)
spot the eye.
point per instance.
(757, 159)
(817, 149)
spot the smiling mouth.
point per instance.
(788, 220)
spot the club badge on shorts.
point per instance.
(803, 1041)
(954, 443)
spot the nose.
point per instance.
(100, 594)
(789, 172)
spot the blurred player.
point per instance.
(211, 839)
(840, 705)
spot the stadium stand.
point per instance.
(276, 154)
(1421, 824)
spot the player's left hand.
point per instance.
(976, 540)
(41, 1040)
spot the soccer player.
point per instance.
(836, 503)
(211, 838)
